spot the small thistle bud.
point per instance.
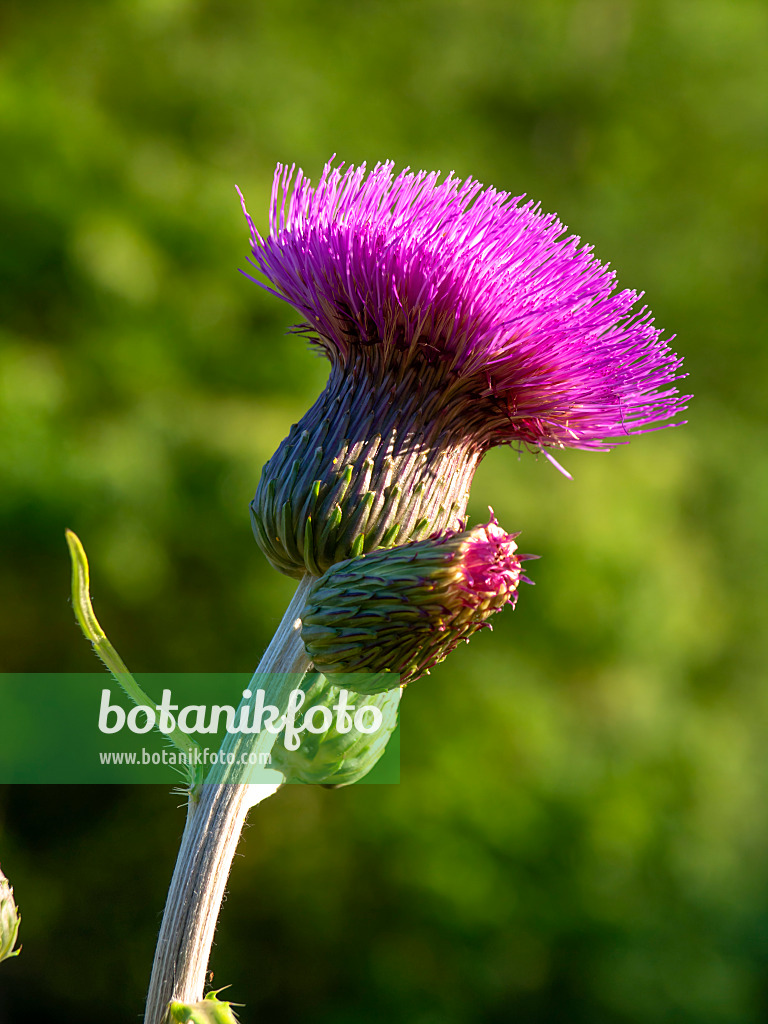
(210, 1010)
(404, 610)
(344, 753)
(10, 919)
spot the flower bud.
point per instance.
(403, 610)
(343, 753)
(210, 1010)
(10, 919)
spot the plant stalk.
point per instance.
(211, 835)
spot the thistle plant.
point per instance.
(455, 319)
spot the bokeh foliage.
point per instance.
(581, 830)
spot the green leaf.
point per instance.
(81, 600)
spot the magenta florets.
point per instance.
(490, 565)
(523, 318)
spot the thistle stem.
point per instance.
(210, 838)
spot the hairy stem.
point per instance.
(210, 838)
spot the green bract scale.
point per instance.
(10, 920)
(369, 466)
(360, 728)
(404, 610)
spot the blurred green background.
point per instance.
(581, 831)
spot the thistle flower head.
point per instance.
(534, 342)
(404, 610)
(455, 318)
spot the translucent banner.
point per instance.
(82, 728)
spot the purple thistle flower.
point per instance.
(527, 319)
(455, 319)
